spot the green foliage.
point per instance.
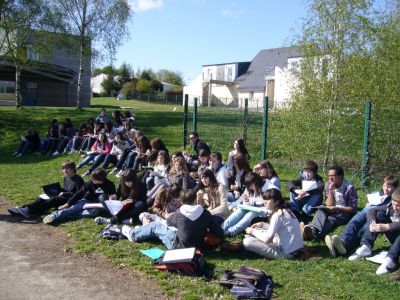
(144, 86)
(125, 73)
(172, 77)
(110, 86)
(156, 85)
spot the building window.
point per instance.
(229, 74)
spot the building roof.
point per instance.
(253, 79)
(222, 64)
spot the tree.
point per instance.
(172, 77)
(147, 74)
(125, 73)
(24, 30)
(101, 26)
(110, 86)
(143, 86)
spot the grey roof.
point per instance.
(253, 79)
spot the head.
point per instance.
(203, 156)
(239, 146)
(99, 176)
(129, 179)
(208, 178)
(396, 201)
(157, 144)
(54, 122)
(69, 168)
(128, 125)
(336, 175)
(180, 165)
(390, 184)
(174, 190)
(194, 137)
(127, 114)
(97, 125)
(273, 200)
(163, 157)
(101, 137)
(175, 155)
(253, 182)
(103, 112)
(188, 197)
(215, 159)
(265, 169)
(118, 137)
(310, 169)
(116, 114)
(108, 126)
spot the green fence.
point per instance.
(360, 136)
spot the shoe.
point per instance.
(101, 220)
(15, 153)
(302, 229)
(86, 173)
(115, 170)
(308, 233)
(127, 221)
(55, 153)
(126, 231)
(387, 266)
(362, 251)
(329, 244)
(14, 211)
(18, 155)
(338, 245)
(49, 219)
(71, 152)
(24, 211)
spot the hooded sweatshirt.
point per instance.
(192, 223)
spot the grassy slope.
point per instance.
(22, 178)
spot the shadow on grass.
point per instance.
(17, 219)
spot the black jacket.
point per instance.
(91, 192)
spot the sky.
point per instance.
(184, 35)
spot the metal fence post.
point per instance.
(245, 118)
(185, 121)
(365, 150)
(194, 126)
(264, 130)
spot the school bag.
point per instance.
(248, 283)
(191, 267)
(112, 232)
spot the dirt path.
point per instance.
(34, 265)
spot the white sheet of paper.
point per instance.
(44, 196)
(114, 206)
(375, 198)
(308, 185)
(178, 255)
(268, 185)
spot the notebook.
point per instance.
(178, 255)
(53, 189)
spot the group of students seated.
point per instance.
(183, 199)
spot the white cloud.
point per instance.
(145, 5)
(227, 12)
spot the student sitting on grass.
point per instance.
(72, 183)
(186, 228)
(132, 192)
(341, 204)
(281, 237)
(381, 219)
(219, 168)
(238, 148)
(236, 178)
(267, 173)
(30, 140)
(212, 196)
(91, 192)
(302, 202)
(354, 230)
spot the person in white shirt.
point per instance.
(281, 237)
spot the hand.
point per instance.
(113, 197)
(300, 193)
(127, 201)
(331, 186)
(234, 187)
(66, 205)
(249, 230)
(374, 227)
(257, 225)
(332, 209)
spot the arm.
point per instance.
(329, 194)
(172, 220)
(294, 185)
(157, 208)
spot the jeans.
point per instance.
(40, 205)
(76, 212)
(354, 230)
(238, 221)
(98, 159)
(130, 159)
(86, 160)
(305, 204)
(133, 212)
(155, 229)
(110, 158)
(394, 251)
(23, 147)
(323, 222)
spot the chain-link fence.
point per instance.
(328, 132)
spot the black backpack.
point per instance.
(112, 232)
(248, 283)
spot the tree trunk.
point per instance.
(80, 76)
(18, 97)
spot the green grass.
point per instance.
(22, 178)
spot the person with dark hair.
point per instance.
(102, 117)
(303, 200)
(281, 237)
(252, 196)
(341, 204)
(201, 165)
(52, 137)
(30, 140)
(218, 168)
(99, 187)
(119, 145)
(72, 183)
(110, 131)
(66, 132)
(160, 170)
(212, 196)
(132, 192)
(238, 148)
(268, 173)
(197, 144)
(117, 118)
(186, 228)
(236, 178)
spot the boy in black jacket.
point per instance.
(72, 183)
(91, 192)
(187, 227)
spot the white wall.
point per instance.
(194, 89)
(95, 83)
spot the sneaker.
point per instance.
(101, 220)
(338, 245)
(126, 231)
(115, 170)
(14, 211)
(15, 153)
(86, 173)
(387, 266)
(24, 211)
(49, 219)
(127, 221)
(329, 244)
(19, 155)
(308, 233)
(55, 153)
(362, 251)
